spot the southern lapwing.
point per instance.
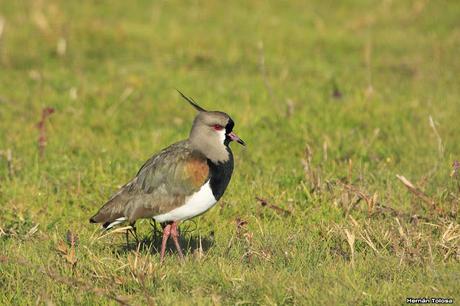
(180, 182)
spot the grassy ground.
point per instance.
(333, 99)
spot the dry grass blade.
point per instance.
(32, 231)
(438, 137)
(115, 231)
(370, 201)
(368, 241)
(418, 193)
(351, 243)
(401, 230)
(430, 252)
(198, 252)
(312, 175)
(141, 267)
(278, 209)
(451, 233)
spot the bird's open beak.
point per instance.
(235, 137)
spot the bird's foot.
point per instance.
(170, 229)
(132, 231)
(166, 234)
(175, 237)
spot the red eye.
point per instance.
(218, 127)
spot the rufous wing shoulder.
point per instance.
(180, 171)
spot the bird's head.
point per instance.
(212, 131)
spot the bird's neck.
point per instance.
(219, 153)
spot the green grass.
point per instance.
(273, 67)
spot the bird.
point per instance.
(180, 182)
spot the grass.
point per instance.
(333, 99)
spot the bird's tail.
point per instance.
(112, 213)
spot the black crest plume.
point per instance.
(192, 102)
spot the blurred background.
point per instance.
(321, 91)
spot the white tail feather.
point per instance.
(116, 222)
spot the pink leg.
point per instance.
(166, 233)
(175, 236)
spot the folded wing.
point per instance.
(161, 185)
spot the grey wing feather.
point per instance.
(149, 187)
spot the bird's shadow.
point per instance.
(190, 242)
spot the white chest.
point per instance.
(195, 205)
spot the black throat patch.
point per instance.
(220, 175)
